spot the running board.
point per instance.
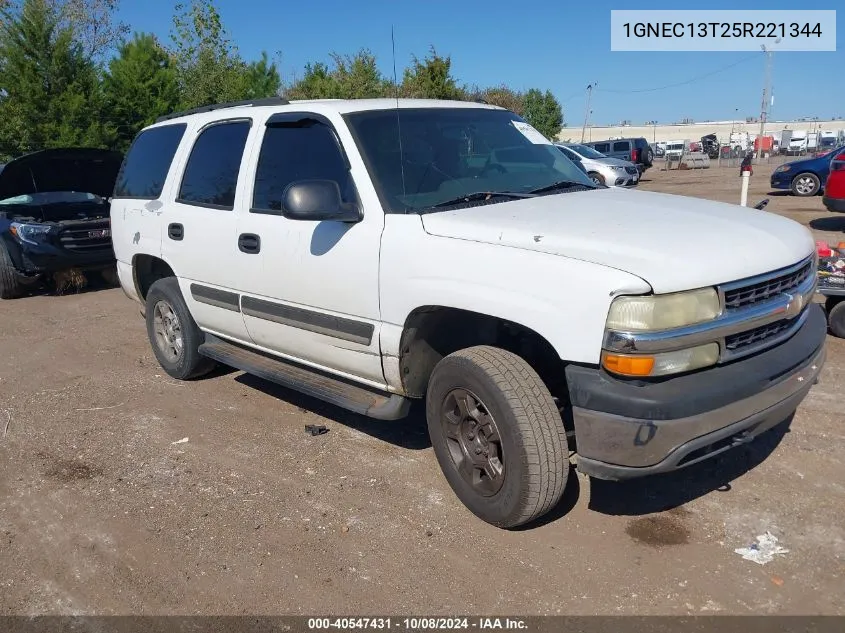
(373, 404)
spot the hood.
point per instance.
(76, 169)
(613, 161)
(672, 242)
(806, 162)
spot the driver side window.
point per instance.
(299, 150)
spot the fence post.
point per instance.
(743, 198)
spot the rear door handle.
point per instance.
(249, 243)
(175, 231)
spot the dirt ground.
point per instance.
(123, 491)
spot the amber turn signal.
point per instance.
(628, 365)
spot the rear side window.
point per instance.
(621, 147)
(145, 167)
(303, 150)
(211, 175)
(602, 148)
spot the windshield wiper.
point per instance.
(481, 195)
(561, 184)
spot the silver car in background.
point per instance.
(602, 169)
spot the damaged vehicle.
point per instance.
(370, 253)
(54, 217)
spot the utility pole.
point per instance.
(587, 110)
(766, 92)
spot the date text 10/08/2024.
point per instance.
(418, 623)
(772, 30)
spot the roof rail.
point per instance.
(231, 104)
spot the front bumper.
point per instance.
(837, 205)
(781, 181)
(34, 259)
(626, 429)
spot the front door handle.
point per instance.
(249, 243)
(175, 232)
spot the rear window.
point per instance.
(211, 175)
(621, 146)
(145, 167)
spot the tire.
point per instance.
(529, 462)
(596, 177)
(649, 158)
(805, 185)
(110, 276)
(836, 319)
(173, 333)
(10, 286)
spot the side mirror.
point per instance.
(317, 200)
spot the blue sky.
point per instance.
(560, 45)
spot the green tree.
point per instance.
(262, 78)
(317, 83)
(358, 77)
(431, 78)
(543, 112)
(93, 24)
(504, 97)
(348, 77)
(140, 86)
(208, 66)
(51, 93)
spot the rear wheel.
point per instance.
(173, 333)
(805, 184)
(497, 435)
(10, 286)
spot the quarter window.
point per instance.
(620, 147)
(145, 167)
(294, 151)
(211, 175)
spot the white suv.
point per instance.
(372, 252)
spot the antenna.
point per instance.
(398, 124)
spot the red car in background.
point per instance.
(834, 189)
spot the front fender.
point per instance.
(564, 300)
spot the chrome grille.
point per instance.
(750, 337)
(747, 295)
(86, 236)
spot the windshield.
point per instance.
(447, 153)
(586, 152)
(52, 197)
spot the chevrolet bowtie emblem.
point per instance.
(795, 305)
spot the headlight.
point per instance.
(661, 364)
(617, 168)
(663, 312)
(31, 233)
(783, 168)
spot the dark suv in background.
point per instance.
(54, 215)
(635, 150)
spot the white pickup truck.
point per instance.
(374, 252)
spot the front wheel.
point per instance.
(497, 435)
(836, 317)
(805, 184)
(596, 178)
(173, 333)
(10, 285)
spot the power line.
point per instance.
(688, 81)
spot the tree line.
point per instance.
(70, 76)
